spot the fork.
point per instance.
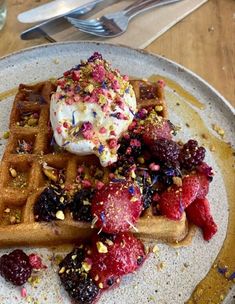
(115, 24)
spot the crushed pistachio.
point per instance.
(52, 173)
(86, 266)
(6, 135)
(60, 215)
(101, 247)
(156, 249)
(62, 270)
(177, 181)
(13, 172)
(218, 130)
(158, 108)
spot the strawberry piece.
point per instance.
(158, 129)
(205, 169)
(175, 199)
(117, 206)
(199, 214)
(114, 256)
(190, 188)
(204, 185)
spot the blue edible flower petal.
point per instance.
(232, 276)
(131, 189)
(101, 149)
(73, 119)
(102, 216)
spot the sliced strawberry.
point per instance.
(117, 206)
(170, 203)
(175, 199)
(199, 214)
(190, 188)
(102, 274)
(128, 254)
(205, 169)
(161, 128)
(114, 256)
(204, 185)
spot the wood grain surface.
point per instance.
(203, 42)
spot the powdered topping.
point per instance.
(93, 105)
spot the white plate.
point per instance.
(174, 283)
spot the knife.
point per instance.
(55, 9)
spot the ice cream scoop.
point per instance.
(91, 108)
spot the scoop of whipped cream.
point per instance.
(91, 108)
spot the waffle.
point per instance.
(23, 178)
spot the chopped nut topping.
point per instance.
(177, 181)
(86, 266)
(155, 249)
(60, 215)
(218, 130)
(13, 172)
(101, 247)
(52, 174)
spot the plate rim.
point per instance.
(228, 105)
(223, 101)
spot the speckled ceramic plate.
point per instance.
(174, 275)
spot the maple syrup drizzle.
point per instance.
(214, 287)
(180, 90)
(9, 93)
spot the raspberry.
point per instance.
(51, 200)
(77, 281)
(174, 200)
(166, 151)
(124, 254)
(36, 261)
(191, 155)
(15, 267)
(117, 206)
(199, 214)
(80, 205)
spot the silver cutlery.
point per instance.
(55, 9)
(115, 24)
(57, 22)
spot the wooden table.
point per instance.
(203, 42)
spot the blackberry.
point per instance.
(166, 151)
(130, 145)
(51, 200)
(69, 262)
(15, 267)
(147, 196)
(124, 164)
(80, 205)
(191, 155)
(146, 183)
(76, 281)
